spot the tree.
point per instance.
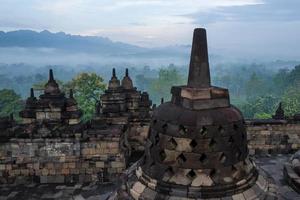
(87, 88)
(294, 75)
(10, 103)
(291, 100)
(143, 82)
(260, 107)
(255, 86)
(160, 87)
(281, 81)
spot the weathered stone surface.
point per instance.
(273, 137)
(197, 146)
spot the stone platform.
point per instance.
(273, 165)
(57, 192)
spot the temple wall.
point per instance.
(273, 137)
(64, 160)
(60, 160)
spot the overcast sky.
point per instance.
(254, 27)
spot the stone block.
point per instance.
(74, 171)
(72, 165)
(117, 164)
(25, 172)
(40, 115)
(100, 164)
(45, 172)
(238, 197)
(65, 171)
(8, 167)
(52, 172)
(2, 167)
(17, 172)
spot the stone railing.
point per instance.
(273, 136)
(60, 160)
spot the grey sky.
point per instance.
(247, 27)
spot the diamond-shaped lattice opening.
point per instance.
(212, 173)
(203, 158)
(235, 127)
(182, 130)
(212, 142)
(181, 158)
(169, 171)
(193, 143)
(156, 138)
(233, 169)
(221, 129)
(162, 155)
(223, 158)
(230, 140)
(172, 143)
(144, 162)
(151, 145)
(191, 174)
(164, 127)
(203, 131)
(238, 154)
(152, 164)
(243, 136)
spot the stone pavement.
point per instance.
(57, 192)
(273, 165)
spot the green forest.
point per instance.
(256, 89)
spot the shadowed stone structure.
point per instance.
(291, 172)
(197, 146)
(52, 107)
(52, 145)
(279, 114)
(123, 105)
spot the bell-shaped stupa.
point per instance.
(197, 145)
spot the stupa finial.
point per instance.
(31, 93)
(71, 94)
(113, 72)
(199, 74)
(51, 77)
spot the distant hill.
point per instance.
(27, 46)
(47, 48)
(66, 42)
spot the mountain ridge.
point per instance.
(63, 41)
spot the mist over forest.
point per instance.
(256, 85)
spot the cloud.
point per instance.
(246, 24)
(269, 10)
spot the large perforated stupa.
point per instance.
(197, 146)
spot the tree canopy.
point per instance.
(10, 103)
(87, 88)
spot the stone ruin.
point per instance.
(122, 104)
(52, 106)
(197, 146)
(185, 153)
(53, 145)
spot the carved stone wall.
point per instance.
(60, 160)
(273, 136)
